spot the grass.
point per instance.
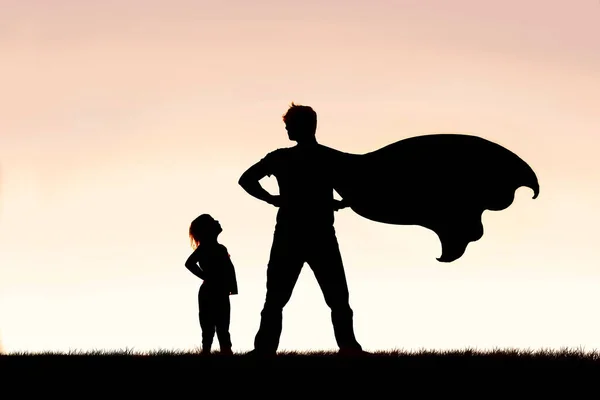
(390, 358)
(460, 371)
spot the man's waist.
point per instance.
(304, 209)
(299, 222)
(305, 217)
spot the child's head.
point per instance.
(204, 227)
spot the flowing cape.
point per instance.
(442, 182)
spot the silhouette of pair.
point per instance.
(304, 233)
(442, 182)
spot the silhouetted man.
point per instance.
(304, 230)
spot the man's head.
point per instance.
(300, 123)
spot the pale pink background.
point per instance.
(120, 121)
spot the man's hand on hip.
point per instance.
(339, 204)
(275, 200)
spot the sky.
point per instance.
(121, 121)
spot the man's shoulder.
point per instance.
(276, 156)
(279, 152)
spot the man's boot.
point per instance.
(226, 351)
(206, 349)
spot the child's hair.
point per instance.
(198, 228)
(194, 243)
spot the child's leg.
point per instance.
(207, 324)
(223, 314)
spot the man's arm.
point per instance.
(339, 204)
(193, 267)
(249, 181)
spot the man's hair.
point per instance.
(301, 116)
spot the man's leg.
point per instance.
(284, 268)
(326, 262)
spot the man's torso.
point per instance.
(305, 186)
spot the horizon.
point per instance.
(114, 112)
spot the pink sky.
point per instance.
(114, 112)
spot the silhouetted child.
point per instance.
(210, 261)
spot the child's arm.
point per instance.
(192, 265)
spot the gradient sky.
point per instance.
(121, 121)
